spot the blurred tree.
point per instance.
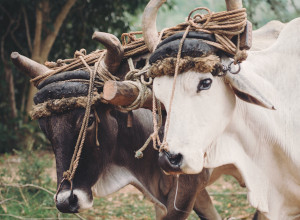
(42, 30)
(38, 47)
(259, 11)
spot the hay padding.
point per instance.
(199, 64)
(57, 106)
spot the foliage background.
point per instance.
(52, 29)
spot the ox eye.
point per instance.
(91, 120)
(204, 84)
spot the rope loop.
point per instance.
(199, 18)
(81, 52)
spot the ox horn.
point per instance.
(114, 48)
(233, 4)
(149, 23)
(28, 66)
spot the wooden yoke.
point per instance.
(123, 94)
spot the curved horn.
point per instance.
(234, 4)
(114, 48)
(149, 23)
(28, 66)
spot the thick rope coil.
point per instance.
(223, 25)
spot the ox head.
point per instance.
(203, 103)
(63, 125)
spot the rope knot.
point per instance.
(197, 19)
(164, 146)
(240, 56)
(139, 154)
(81, 52)
(67, 175)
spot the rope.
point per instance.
(69, 174)
(223, 25)
(156, 126)
(164, 145)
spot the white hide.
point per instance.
(83, 199)
(115, 177)
(213, 127)
(266, 35)
(112, 179)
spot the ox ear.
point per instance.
(246, 91)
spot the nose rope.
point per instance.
(97, 123)
(156, 107)
(239, 57)
(69, 174)
(176, 193)
(164, 145)
(156, 126)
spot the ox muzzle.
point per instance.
(68, 201)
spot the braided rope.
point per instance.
(164, 144)
(69, 174)
(223, 25)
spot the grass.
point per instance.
(23, 198)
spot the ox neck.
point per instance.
(263, 140)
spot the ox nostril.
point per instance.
(170, 162)
(67, 203)
(73, 203)
(175, 159)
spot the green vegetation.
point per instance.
(26, 192)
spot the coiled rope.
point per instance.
(224, 25)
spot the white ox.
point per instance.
(214, 128)
(266, 35)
